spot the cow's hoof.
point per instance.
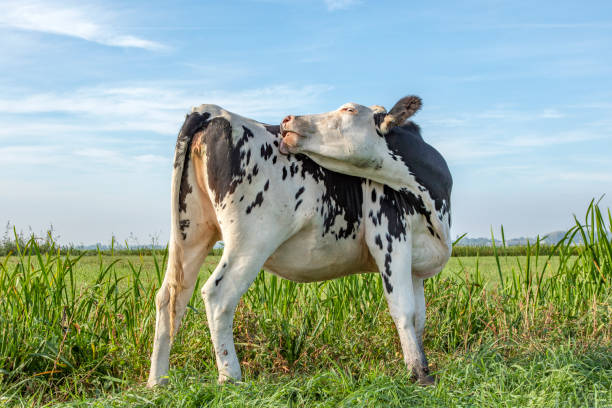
(426, 380)
(224, 379)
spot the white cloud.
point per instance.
(30, 155)
(592, 24)
(79, 22)
(500, 113)
(482, 143)
(509, 131)
(340, 4)
(586, 176)
(462, 149)
(124, 128)
(518, 115)
(551, 114)
(119, 159)
(149, 108)
(539, 140)
(61, 155)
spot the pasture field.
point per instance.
(458, 268)
(533, 330)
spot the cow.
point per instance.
(315, 198)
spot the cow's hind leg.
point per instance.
(232, 277)
(419, 324)
(184, 262)
(394, 263)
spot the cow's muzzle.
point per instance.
(289, 136)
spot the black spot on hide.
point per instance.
(343, 196)
(388, 261)
(424, 162)
(266, 151)
(378, 241)
(293, 169)
(256, 203)
(183, 225)
(395, 206)
(194, 123)
(378, 120)
(226, 169)
(388, 286)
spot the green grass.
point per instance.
(501, 331)
(486, 378)
(87, 268)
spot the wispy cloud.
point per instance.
(496, 113)
(118, 159)
(504, 132)
(484, 26)
(561, 26)
(81, 22)
(61, 155)
(520, 115)
(154, 108)
(464, 147)
(31, 155)
(340, 4)
(539, 140)
(124, 127)
(586, 176)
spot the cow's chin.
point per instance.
(284, 148)
(289, 143)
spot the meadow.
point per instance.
(504, 329)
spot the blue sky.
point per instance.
(517, 96)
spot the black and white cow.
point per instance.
(385, 208)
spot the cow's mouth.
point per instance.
(289, 141)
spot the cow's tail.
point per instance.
(180, 188)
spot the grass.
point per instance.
(501, 331)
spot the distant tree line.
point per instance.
(12, 241)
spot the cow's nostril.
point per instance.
(288, 119)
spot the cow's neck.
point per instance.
(391, 171)
(388, 169)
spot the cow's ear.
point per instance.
(403, 109)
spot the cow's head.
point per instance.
(351, 135)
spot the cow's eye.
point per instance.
(349, 110)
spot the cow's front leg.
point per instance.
(393, 257)
(221, 293)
